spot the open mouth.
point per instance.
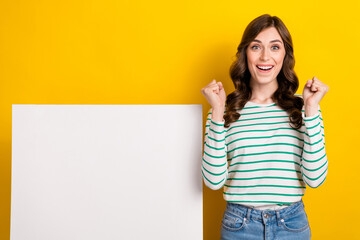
(264, 68)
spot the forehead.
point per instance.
(268, 35)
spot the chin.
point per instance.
(263, 80)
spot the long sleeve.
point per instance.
(214, 162)
(314, 164)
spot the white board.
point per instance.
(106, 172)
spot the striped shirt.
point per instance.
(260, 160)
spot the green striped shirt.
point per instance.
(260, 160)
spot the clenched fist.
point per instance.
(314, 91)
(215, 94)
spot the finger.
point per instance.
(315, 79)
(216, 88)
(313, 85)
(322, 87)
(314, 88)
(212, 86)
(213, 82)
(320, 84)
(309, 83)
(212, 89)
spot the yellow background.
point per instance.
(164, 52)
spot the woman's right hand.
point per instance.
(215, 94)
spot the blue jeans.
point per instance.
(241, 222)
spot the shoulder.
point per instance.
(298, 95)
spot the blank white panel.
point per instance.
(106, 172)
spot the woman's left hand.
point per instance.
(314, 91)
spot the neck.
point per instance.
(262, 93)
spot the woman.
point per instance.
(270, 142)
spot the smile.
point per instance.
(264, 68)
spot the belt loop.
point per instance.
(278, 217)
(248, 214)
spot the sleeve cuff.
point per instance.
(310, 118)
(312, 123)
(218, 123)
(217, 126)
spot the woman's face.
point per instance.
(265, 56)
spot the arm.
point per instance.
(314, 162)
(214, 161)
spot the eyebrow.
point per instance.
(276, 40)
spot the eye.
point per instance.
(275, 47)
(255, 47)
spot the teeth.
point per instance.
(265, 68)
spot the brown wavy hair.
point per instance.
(287, 80)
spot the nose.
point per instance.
(264, 55)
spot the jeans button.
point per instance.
(265, 215)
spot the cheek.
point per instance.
(280, 59)
(280, 64)
(250, 65)
(250, 59)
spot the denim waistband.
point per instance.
(248, 212)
